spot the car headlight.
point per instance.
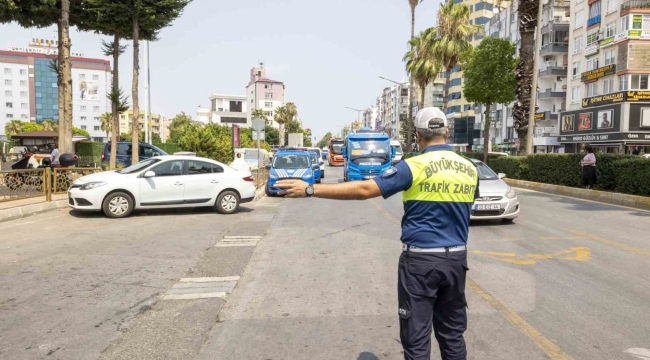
(92, 185)
(308, 176)
(511, 194)
(273, 176)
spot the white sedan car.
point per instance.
(161, 182)
(498, 200)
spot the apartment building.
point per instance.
(608, 98)
(263, 93)
(157, 123)
(392, 109)
(29, 88)
(370, 117)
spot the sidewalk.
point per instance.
(17, 209)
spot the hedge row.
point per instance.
(169, 148)
(90, 153)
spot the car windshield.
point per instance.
(314, 158)
(317, 151)
(485, 173)
(369, 149)
(291, 161)
(139, 166)
(337, 147)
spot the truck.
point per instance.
(366, 154)
(295, 140)
(335, 152)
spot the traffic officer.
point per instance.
(438, 188)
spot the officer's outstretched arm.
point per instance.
(357, 190)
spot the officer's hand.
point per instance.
(292, 188)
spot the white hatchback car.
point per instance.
(161, 182)
(498, 200)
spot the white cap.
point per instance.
(430, 118)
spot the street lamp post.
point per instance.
(397, 120)
(533, 93)
(358, 112)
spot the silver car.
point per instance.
(498, 200)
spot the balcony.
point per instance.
(557, 23)
(553, 70)
(555, 48)
(593, 21)
(635, 4)
(552, 94)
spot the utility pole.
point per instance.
(533, 92)
(146, 93)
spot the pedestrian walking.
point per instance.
(54, 156)
(438, 189)
(588, 164)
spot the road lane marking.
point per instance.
(579, 253)
(546, 345)
(585, 200)
(220, 295)
(588, 236)
(210, 279)
(639, 353)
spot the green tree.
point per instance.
(80, 132)
(292, 127)
(180, 123)
(272, 135)
(282, 117)
(260, 113)
(13, 127)
(155, 138)
(489, 78)
(452, 38)
(324, 142)
(50, 125)
(106, 121)
(412, 4)
(27, 127)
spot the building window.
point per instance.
(482, 20)
(23, 94)
(268, 86)
(611, 6)
(10, 116)
(95, 108)
(268, 104)
(96, 128)
(9, 105)
(623, 83)
(577, 44)
(23, 72)
(23, 105)
(575, 94)
(96, 119)
(23, 82)
(608, 86)
(638, 82)
(483, 6)
(268, 95)
(24, 116)
(580, 19)
(83, 127)
(82, 76)
(625, 23)
(122, 124)
(592, 64)
(122, 116)
(592, 89)
(83, 118)
(268, 114)
(7, 82)
(95, 77)
(592, 36)
(576, 70)
(594, 14)
(8, 93)
(7, 71)
(83, 107)
(610, 57)
(610, 29)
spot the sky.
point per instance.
(329, 54)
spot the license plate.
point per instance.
(487, 207)
(369, 176)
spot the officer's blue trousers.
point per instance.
(431, 293)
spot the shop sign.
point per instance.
(608, 41)
(605, 137)
(612, 98)
(540, 116)
(637, 96)
(620, 37)
(598, 73)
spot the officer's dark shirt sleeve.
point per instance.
(394, 179)
(477, 193)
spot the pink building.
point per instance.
(264, 93)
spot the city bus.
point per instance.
(335, 156)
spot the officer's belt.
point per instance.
(416, 249)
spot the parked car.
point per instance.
(124, 153)
(498, 200)
(168, 181)
(319, 161)
(290, 164)
(318, 174)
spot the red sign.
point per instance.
(235, 136)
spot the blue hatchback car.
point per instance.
(124, 153)
(318, 174)
(290, 164)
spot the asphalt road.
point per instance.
(570, 279)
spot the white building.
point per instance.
(29, 92)
(264, 93)
(370, 117)
(392, 109)
(226, 110)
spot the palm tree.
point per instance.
(282, 117)
(13, 127)
(260, 114)
(453, 36)
(50, 125)
(412, 4)
(421, 65)
(292, 110)
(106, 123)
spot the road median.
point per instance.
(640, 202)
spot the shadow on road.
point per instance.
(160, 212)
(581, 205)
(367, 356)
(481, 223)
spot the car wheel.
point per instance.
(117, 205)
(508, 221)
(227, 202)
(322, 174)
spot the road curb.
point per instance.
(20, 212)
(640, 202)
(259, 193)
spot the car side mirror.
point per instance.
(149, 174)
(315, 167)
(344, 151)
(502, 176)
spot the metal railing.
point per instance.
(22, 184)
(635, 4)
(62, 178)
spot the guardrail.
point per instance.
(30, 183)
(64, 177)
